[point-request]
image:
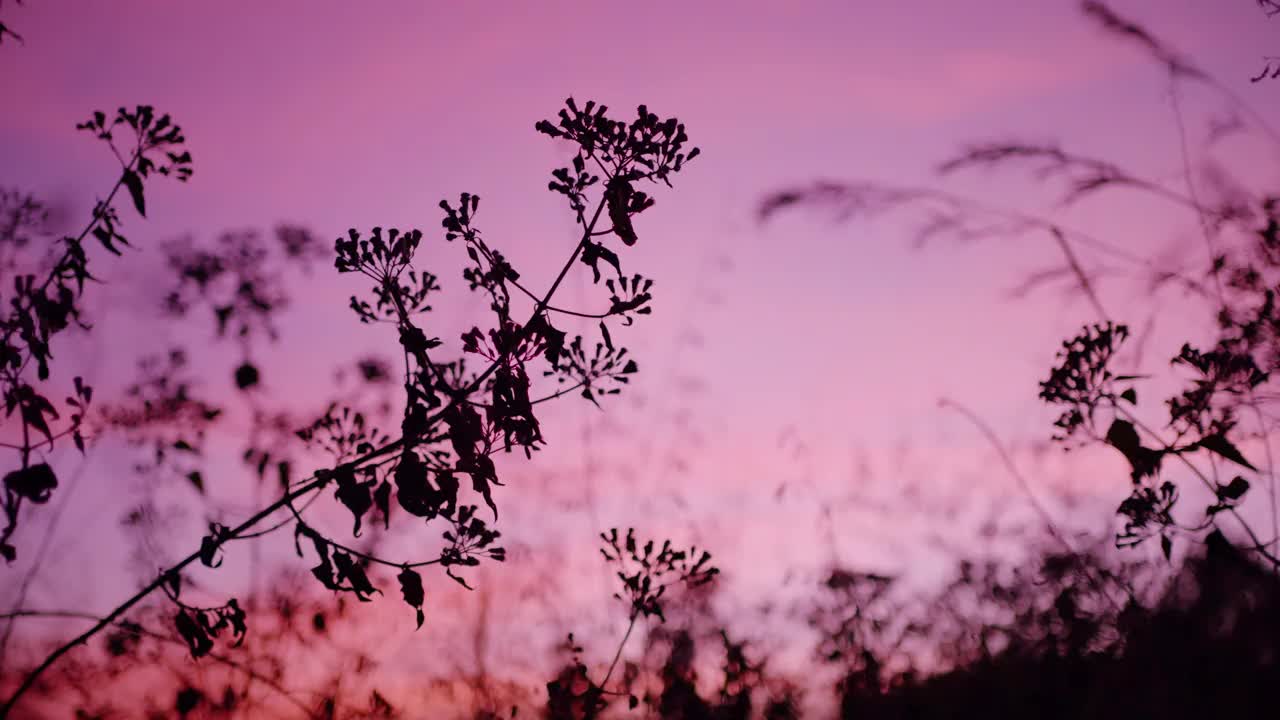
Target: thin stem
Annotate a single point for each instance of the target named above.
(1184, 153)
(542, 304)
(363, 555)
(1021, 479)
(559, 393)
(484, 250)
(635, 614)
(1007, 460)
(1085, 283)
(277, 526)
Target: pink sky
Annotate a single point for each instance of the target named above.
(341, 114)
(347, 116)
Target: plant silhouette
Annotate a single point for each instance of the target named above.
(1097, 400)
(1216, 421)
(1081, 627)
(456, 414)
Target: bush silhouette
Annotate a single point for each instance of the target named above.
(455, 416)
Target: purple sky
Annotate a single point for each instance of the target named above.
(340, 114)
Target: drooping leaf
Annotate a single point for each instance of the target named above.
(197, 639)
(411, 588)
(210, 544)
(355, 495)
(618, 197)
(108, 239)
(461, 581)
(34, 408)
(593, 252)
(1143, 460)
(35, 483)
(1233, 490)
(324, 571)
(382, 499)
(1220, 445)
(353, 572)
(234, 616)
(134, 184)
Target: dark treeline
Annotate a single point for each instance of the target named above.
(1064, 635)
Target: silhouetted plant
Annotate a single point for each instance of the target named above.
(1046, 639)
(160, 413)
(1002, 641)
(455, 417)
(1098, 400)
(238, 283)
(646, 571)
(263, 678)
(1199, 419)
(1087, 637)
(48, 295)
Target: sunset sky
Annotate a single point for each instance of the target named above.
(808, 352)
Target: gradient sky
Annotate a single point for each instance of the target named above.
(340, 114)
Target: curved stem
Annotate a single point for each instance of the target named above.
(618, 655)
(352, 551)
(1077, 269)
(1007, 459)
